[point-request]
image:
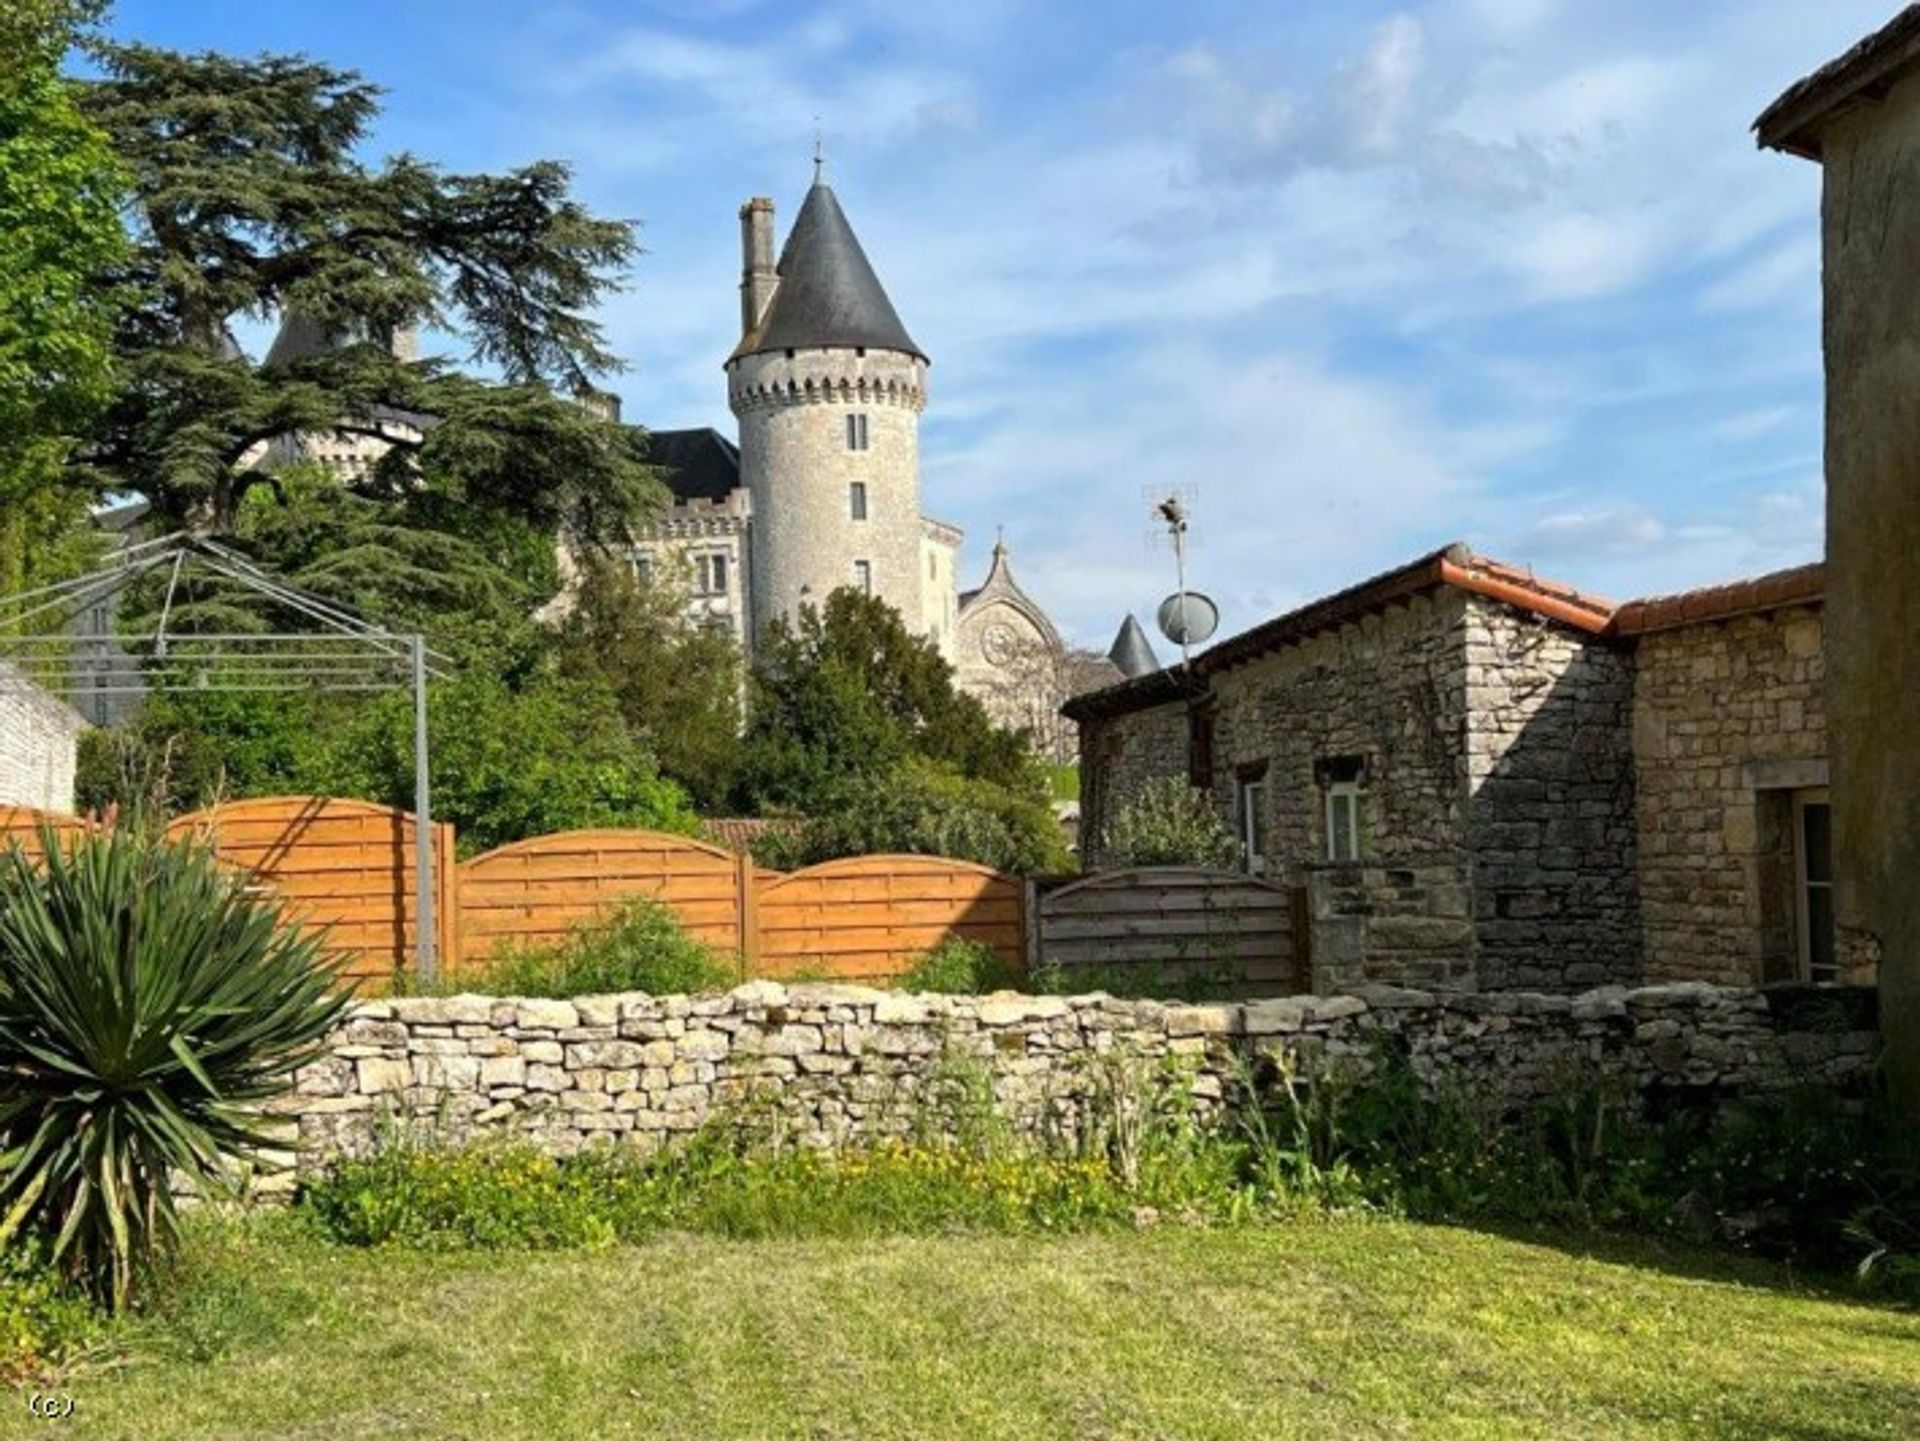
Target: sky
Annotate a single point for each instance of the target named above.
(1357, 279)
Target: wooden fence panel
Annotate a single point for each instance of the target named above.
(345, 866)
(865, 919)
(532, 892)
(1173, 924)
(23, 824)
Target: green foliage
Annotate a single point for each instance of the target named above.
(60, 193)
(1220, 980)
(1063, 780)
(45, 1320)
(918, 808)
(148, 1005)
(638, 945)
(506, 764)
(676, 683)
(271, 212)
(512, 764)
(1167, 822)
(849, 692)
(960, 967)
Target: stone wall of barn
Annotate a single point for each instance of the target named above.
(1550, 804)
(1728, 724)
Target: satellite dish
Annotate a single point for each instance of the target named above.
(1188, 617)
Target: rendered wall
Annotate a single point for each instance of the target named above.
(1870, 223)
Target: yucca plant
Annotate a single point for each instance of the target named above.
(148, 1005)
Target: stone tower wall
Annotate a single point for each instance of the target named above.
(794, 460)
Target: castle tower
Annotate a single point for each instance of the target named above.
(828, 388)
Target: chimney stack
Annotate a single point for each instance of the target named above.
(757, 277)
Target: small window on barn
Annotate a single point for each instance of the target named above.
(1344, 781)
(1250, 813)
(1200, 745)
(1813, 877)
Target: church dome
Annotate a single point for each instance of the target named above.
(828, 295)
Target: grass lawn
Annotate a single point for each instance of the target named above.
(1337, 1329)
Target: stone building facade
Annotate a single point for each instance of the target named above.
(1730, 746)
(1481, 779)
(39, 737)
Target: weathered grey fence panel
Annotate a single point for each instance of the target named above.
(1176, 926)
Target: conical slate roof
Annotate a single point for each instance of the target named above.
(828, 293)
(1131, 652)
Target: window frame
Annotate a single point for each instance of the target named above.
(863, 576)
(859, 437)
(857, 499)
(1803, 885)
(1252, 818)
(1353, 794)
(710, 571)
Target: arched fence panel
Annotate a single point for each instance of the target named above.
(343, 866)
(27, 824)
(534, 891)
(1175, 926)
(867, 918)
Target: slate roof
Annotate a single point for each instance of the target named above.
(697, 464)
(1132, 652)
(1866, 72)
(828, 294)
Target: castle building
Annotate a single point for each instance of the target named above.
(822, 489)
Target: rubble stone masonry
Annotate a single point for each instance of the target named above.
(843, 1063)
(1728, 724)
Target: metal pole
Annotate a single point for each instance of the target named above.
(1177, 516)
(422, 820)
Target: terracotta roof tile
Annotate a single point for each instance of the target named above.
(1803, 585)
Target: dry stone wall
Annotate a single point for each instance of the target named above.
(841, 1063)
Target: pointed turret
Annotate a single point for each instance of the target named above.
(1131, 651)
(825, 293)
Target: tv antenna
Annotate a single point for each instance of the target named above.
(1187, 618)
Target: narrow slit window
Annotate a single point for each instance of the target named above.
(857, 430)
(857, 500)
(1813, 871)
(863, 576)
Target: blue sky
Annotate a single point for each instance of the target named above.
(1365, 278)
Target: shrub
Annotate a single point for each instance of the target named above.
(1167, 822)
(923, 809)
(639, 945)
(148, 1004)
(959, 966)
(45, 1321)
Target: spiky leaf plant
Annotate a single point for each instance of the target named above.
(148, 1006)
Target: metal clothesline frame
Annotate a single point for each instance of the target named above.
(44, 651)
